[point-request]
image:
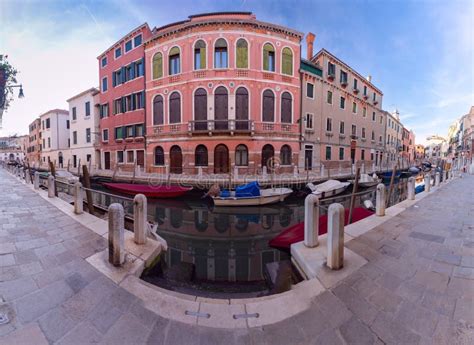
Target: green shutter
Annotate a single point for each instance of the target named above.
(157, 66)
(202, 52)
(242, 57)
(287, 63)
(267, 48)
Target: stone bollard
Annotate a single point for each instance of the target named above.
(116, 235)
(362, 170)
(51, 191)
(311, 221)
(411, 188)
(264, 171)
(437, 178)
(78, 198)
(236, 172)
(335, 259)
(380, 200)
(199, 172)
(36, 181)
(322, 169)
(140, 223)
(373, 167)
(295, 171)
(427, 183)
(167, 170)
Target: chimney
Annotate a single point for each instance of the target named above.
(369, 78)
(309, 45)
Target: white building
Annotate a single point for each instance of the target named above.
(436, 148)
(54, 136)
(84, 128)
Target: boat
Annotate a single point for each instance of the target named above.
(328, 188)
(158, 192)
(419, 188)
(251, 195)
(388, 174)
(366, 181)
(414, 170)
(295, 233)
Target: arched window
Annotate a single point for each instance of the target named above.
(200, 55)
(159, 156)
(268, 57)
(175, 108)
(174, 61)
(200, 110)
(268, 106)
(220, 53)
(286, 107)
(200, 156)
(242, 54)
(241, 155)
(157, 65)
(268, 154)
(242, 109)
(287, 61)
(158, 117)
(285, 155)
(221, 108)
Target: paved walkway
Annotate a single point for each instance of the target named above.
(418, 287)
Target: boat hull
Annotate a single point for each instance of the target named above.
(267, 197)
(328, 194)
(157, 192)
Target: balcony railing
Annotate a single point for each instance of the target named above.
(221, 126)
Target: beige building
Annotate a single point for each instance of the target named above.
(393, 139)
(342, 121)
(34, 143)
(54, 136)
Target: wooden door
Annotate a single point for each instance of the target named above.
(141, 158)
(267, 157)
(308, 158)
(242, 109)
(200, 110)
(106, 160)
(221, 111)
(176, 160)
(221, 159)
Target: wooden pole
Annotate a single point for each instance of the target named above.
(354, 191)
(392, 179)
(53, 172)
(79, 167)
(87, 185)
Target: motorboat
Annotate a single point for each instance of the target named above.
(295, 233)
(328, 188)
(158, 192)
(366, 180)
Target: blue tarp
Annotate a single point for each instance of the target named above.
(248, 190)
(225, 194)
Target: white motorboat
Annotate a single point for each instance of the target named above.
(328, 188)
(366, 180)
(266, 197)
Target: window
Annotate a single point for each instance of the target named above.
(119, 133)
(200, 109)
(67, 124)
(341, 127)
(137, 41)
(88, 135)
(200, 156)
(373, 116)
(381, 119)
(118, 52)
(200, 55)
(117, 106)
(343, 78)
(285, 155)
(74, 114)
(328, 153)
(242, 54)
(48, 123)
(286, 107)
(374, 97)
(362, 154)
(105, 135)
(174, 63)
(119, 156)
(241, 155)
(380, 139)
(268, 106)
(88, 108)
(309, 121)
(355, 84)
(44, 143)
(329, 97)
(104, 110)
(130, 156)
(159, 156)
(329, 124)
(354, 130)
(157, 66)
(341, 153)
(363, 132)
(128, 46)
(129, 131)
(242, 109)
(287, 61)
(88, 157)
(364, 112)
(365, 90)
(139, 130)
(331, 69)
(103, 62)
(220, 54)
(158, 113)
(139, 70)
(354, 107)
(268, 57)
(104, 84)
(309, 90)
(373, 136)
(342, 103)
(175, 108)
(74, 138)
(49, 143)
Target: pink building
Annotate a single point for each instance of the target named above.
(222, 90)
(122, 101)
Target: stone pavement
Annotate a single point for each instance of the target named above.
(417, 288)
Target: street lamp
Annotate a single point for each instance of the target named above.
(20, 93)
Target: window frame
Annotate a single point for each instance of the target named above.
(226, 53)
(263, 58)
(201, 67)
(328, 151)
(282, 61)
(237, 161)
(248, 55)
(119, 50)
(105, 130)
(342, 102)
(170, 65)
(307, 84)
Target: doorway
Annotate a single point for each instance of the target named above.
(221, 159)
(106, 160)
(176, 160)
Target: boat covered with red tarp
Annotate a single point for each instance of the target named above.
(164, 192)
(295, 233)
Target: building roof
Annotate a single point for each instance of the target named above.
(92, 90)
(124, 38)
(325, 52)
(61, 111)
(310, 67)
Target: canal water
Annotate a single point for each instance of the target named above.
(217, 251)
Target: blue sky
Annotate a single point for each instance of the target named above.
(419, 53)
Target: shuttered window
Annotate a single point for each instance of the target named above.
(286, 105)
(242, 109)
(285, 155)
(200, 156)
(221, 108)
(268, 57)
(268, 106)
(175, 108)
(287, 61)
(200, 109)
(242, 54)
(159, 156)
(157, 66)
(158, 117)
(200, 55)
(241, 155)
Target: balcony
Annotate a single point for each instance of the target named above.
(343, 83)
(331, 76)
(354, 137)
(220, 126)
(366, 97)
(355, 90)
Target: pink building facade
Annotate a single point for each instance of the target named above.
(222, 92)
(122, 102)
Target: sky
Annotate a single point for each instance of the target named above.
(419, 53)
